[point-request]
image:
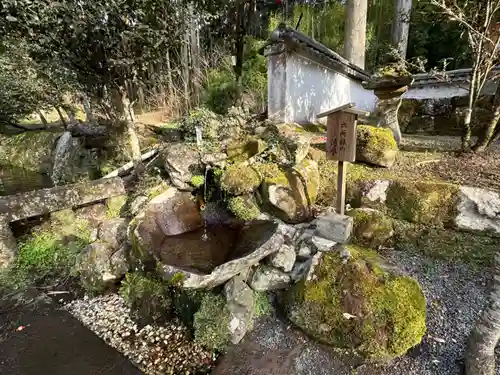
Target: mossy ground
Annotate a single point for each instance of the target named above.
(435, 242)
(388, 312)
(115, 205)
(211, 323)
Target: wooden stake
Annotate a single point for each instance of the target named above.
(341, 180)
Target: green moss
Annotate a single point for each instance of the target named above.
(327, 192)
(386, 312)
(239, 179)
(307, 173)
(149, 298)
(245, 150)
(435, 242)
(371, 228)
(244, 207)
(114, 206)
(262, 305)
(271, 174)
(375, 145)
(211, 323)
(422, 202)
(197, 181)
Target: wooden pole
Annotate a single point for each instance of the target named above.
(341, 182)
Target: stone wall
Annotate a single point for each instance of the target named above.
(439, 116)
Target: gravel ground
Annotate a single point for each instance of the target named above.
(455, 295)
(156, 350)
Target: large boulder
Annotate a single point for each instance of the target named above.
(239, 179)
(291, 194)
(182, 162)
(113, 232)
(478, 210)
(245, 149)
(100, 266)
(375, 146)
(359, 303)
(293, 142)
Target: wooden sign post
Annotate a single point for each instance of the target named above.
(341, 143)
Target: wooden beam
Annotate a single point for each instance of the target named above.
(40, 202)
(341, 108)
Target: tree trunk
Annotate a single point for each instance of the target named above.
(170, 82)
(195, 56)
(239, 45)
(89, 117)
(401, 26)
(480, 356)
(43, 119)
(61, 116)
(185, 70)
(126, 112)
(355, 32)
(487, 134)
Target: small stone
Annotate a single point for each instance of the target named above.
(322, 244)
(304, 251)
(267, 278)
(283, 259)
(334, 227)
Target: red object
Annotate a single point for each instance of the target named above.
(278, 2)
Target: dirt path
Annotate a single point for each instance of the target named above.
(45, 340)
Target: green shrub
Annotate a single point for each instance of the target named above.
(221, 90)
(197, 181)
(150, 299)
(186, 303)
(211, 323)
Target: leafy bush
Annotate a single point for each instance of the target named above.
(262, 305)
(149, 299)
(221, 90)
(203, 118)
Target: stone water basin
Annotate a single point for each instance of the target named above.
(207, 247)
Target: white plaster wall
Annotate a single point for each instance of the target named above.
(312, 88)
(309, 89)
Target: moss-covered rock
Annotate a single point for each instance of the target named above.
(372, 228)
(211, 323)
(292, 199)
(376, 146)
(271, 173)
(422, 202)
(359, 305)
(244, 207)
(239, 179)
(244, 150)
